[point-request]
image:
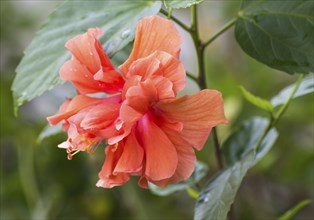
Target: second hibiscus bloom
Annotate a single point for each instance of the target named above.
(149, 132)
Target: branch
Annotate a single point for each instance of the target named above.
(221, 31)
(181, 24)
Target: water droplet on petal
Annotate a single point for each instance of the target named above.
(119, 124)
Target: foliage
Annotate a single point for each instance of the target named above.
(306, 87)
(278, 34)
(180, 3)
(242, 150)
(38, 70)
(257, 101)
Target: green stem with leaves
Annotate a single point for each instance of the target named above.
(276, 117)
(200, 51)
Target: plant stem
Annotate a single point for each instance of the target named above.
(285, 106)
(200, 51)
(192, 77)
(217, 149)
(198, 47)
(181, 24)
(274, 119)
(169, 12)
(221, 31)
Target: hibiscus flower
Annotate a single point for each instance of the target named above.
(157, 131)
(149, 131)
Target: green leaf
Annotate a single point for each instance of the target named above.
(218, 195)
(181, 3)
(257, 101)
(200, 171)
(49, 131)
(278, 33)
(244, 139)
(306, 87)
(290, 213)
(38, 70)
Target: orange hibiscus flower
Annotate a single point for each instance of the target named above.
(157, 132)
(150, 133)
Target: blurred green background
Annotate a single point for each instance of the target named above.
(38, 182)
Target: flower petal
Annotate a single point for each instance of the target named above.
(144, 67)
(85, 82)
(100, 116)
(140, 97)
(78, 103)
(83, 48)
(72, 107)
(186, 156)
(198, 113)
(90, 69)
(80, 76)
(172, 69)
(132, 157)
(160, 154)
(106, 177)
(153, 33)
(164, 87)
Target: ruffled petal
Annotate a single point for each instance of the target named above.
(164, 87)
(132, 81)
(153, 33)
(198, 113)
(80, 76)
(160, 154)
(85, 82)
(72, 107)
(172, 69)
(78, 103)
(90, 69)
(140, 97)
(83, 48)
(144, 67)
(106, 177)
(131, 160)
(162, 64)
(100, 116)
(186, 155)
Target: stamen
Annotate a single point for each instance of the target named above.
(70, 156)
(69, 150)
(75, 152)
